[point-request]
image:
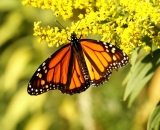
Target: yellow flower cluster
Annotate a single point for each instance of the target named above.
(50, 35)
(126, 23)
(62, 8)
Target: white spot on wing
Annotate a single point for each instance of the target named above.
(114, 48)
(105, 43)
(43, 63)
(29, 86)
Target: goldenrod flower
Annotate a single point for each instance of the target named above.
(126, 23)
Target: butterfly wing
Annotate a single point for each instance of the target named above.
(78, 83)
(73, 71)
(101, 58)
(62, 71)
(52, 73)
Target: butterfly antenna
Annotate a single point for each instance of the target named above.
(61, 26)
(78, 25)
(81, 30)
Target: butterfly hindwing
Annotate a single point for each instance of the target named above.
(78, 83)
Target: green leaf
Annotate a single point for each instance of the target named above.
(134, 56)
(154, 119)
(133, 61)
(141, 74)
(137, 89)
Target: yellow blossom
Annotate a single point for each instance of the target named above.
(126, 23)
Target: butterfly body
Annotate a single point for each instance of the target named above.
(77, 66)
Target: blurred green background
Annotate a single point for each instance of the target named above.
(99, 108)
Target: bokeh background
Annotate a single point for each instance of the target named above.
(100, 108)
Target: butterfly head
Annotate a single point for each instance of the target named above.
(74, 38)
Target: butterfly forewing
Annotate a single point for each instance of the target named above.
(101, 58)
(52, 73)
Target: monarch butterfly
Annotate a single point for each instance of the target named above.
(77, 66)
